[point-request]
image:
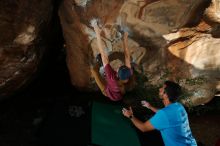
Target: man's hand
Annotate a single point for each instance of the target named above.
(149, 106)
(127, 113)
(94, 24)
(145, 104)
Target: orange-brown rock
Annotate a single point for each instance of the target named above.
(157, 17)
(168, 39)
(199, 71)
(212, 13)
(21, 47)
(159, 40)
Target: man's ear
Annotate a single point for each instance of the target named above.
(165, 96)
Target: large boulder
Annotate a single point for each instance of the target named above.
(22, 24)
(197, 64)
(160, 43)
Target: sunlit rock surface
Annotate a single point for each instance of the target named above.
(172, 39)
(213, 11)
(21, 28)
(145, 25)
(168, 39)
(198, 48)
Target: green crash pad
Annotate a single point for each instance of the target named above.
(110, 127)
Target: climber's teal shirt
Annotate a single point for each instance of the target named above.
(172, 122)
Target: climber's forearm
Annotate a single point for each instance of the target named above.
(104, 56)
(126, 51)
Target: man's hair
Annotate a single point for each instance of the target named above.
(124, 72)
(173, 90)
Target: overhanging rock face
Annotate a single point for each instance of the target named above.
(21, 43)
(145, 23)
(172, 39)
(160, 43)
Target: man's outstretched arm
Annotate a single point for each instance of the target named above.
(143, 126)
(126, 50)
(149, 106)
(104, 56)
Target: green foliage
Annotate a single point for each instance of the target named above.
(201, 109)
(196, 81)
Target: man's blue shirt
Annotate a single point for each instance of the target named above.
(172, 122)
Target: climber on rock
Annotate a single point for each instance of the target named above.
(113, 84)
